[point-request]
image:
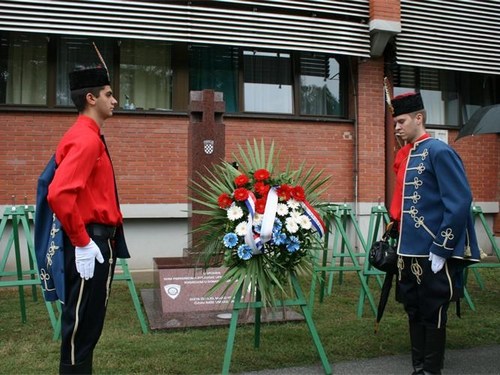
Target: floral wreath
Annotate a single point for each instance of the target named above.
(262, 225)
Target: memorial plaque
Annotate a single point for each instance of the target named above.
(180, 298)
(185, 290)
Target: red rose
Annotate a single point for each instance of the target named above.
(241, 194)
(261, 188)
(298, 193)
(224, 200)
(284, 192)
(261, 174)
(241, 180)
(260, 205)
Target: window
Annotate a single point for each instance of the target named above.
(319, 85)
(215, 68)
(478, 90)
(23, 69)
(75, 53)
(145, 75)
(154, 75)
(267, 82)
(450, 98)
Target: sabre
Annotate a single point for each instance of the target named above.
(388, 95)
(100, 58)
(389, 104)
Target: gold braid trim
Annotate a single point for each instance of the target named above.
(401, 266)
(416, 269)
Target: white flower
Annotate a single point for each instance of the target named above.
(282, 209)
(304, 222)
(295, 215)
(291, 225)
(293, 204)
(241, 229)
(234, 213)
(257, 219)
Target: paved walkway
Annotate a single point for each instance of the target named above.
(483, 360)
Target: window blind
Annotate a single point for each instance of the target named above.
(329, 26)
(459, 35)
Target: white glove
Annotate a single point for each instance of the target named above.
(437, 262)
(85, 258)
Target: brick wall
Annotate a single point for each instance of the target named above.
(385, 10)
(150, 151)
(481, 156)
(150, 156)
(328, 146)
(371, 113)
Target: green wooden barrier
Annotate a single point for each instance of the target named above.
(17, 217)
(379, 217)
(478, 215)
(122, 273)
(22, 216)
(339, 218)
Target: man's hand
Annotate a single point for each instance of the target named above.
(85, 258)
(437, 262)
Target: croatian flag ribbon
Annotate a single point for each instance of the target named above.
(250, 238)
(256, 241)
(266, 231)
(313, 215)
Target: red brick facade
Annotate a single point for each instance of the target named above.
(150, 151)
(389, 10)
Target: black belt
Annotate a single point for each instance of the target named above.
(101, 231)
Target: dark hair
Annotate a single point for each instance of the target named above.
(79, 96)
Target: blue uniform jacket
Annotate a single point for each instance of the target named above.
(436, 213)
(49, 242)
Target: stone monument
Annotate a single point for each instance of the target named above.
(206, 147)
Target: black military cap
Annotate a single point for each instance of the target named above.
(407, 103)
(84, 78)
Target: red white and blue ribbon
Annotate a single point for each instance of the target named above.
(251, 239)
(266, 230)
(256, 241)
(313, 215)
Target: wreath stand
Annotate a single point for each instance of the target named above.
(257, 305)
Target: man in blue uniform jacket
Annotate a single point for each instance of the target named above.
(432, 205)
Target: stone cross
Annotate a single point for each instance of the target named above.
(206, 146)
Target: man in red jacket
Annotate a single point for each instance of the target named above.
(83, 197)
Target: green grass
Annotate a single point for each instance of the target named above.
(28, 348)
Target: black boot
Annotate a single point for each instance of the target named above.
(82, 368)
(417, 338)
(435, 341)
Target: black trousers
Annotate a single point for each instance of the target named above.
(84, 310)
(426, 295)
